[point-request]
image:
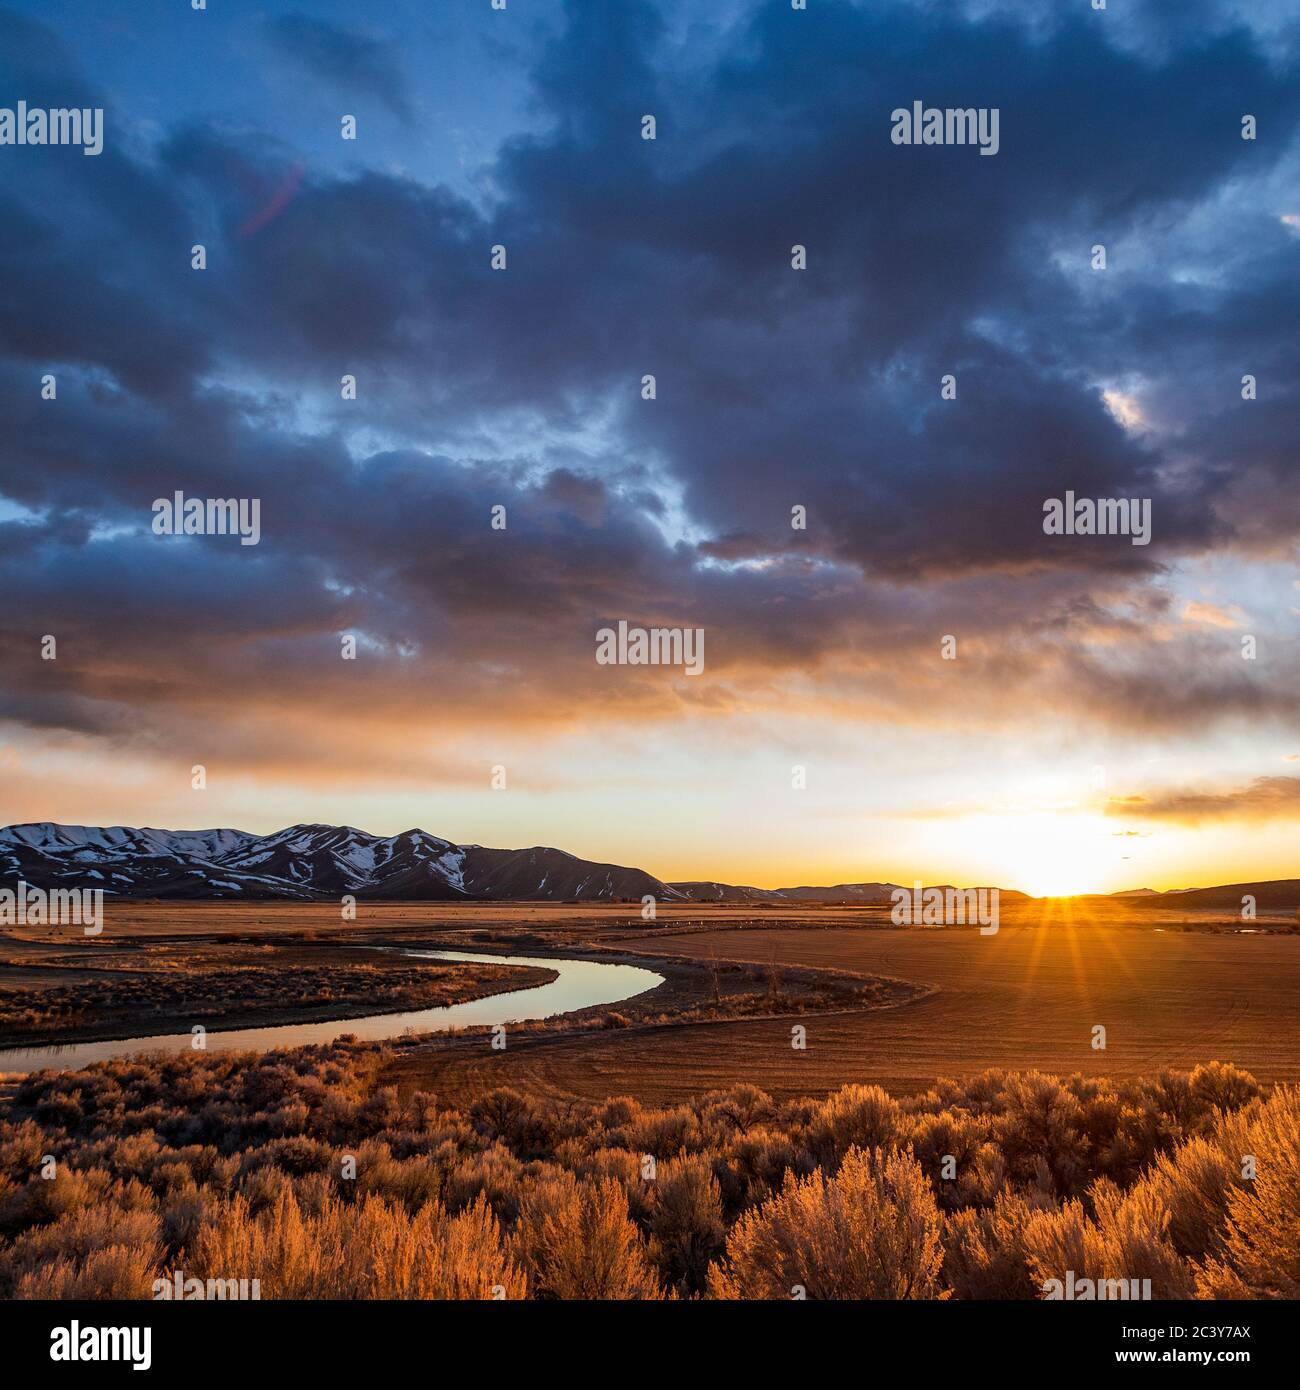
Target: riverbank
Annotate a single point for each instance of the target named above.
(119, 992)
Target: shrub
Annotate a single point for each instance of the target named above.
(1194, 1184)
(576, 1241)
(742, 1106)
(116, 1271)
(757, 1164)
(665, 1133)
(984, 1250)
(101, 1251)
(1262, 1244)
(871, 1231)
(686, 1224)
(370, 1249)
(494, 1174)
(1127, 1241)
(1042, 1123)
(978, 1169)
(1221, 1086)
(864, 1117)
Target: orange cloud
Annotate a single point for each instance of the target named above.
(1266, 798)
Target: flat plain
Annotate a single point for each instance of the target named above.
(1028, 997)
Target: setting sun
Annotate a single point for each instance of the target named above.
(1043, 853)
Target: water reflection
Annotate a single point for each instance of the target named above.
(580, 984)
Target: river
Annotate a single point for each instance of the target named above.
(580, 984)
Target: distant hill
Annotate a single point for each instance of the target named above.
(708, 891)
(1270, 893)
(862, 893)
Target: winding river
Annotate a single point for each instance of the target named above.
(580, 984)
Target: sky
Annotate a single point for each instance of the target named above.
(918, 683)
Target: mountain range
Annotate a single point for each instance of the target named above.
(310, 862)
(315, 862)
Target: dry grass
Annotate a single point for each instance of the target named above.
(302, 1170)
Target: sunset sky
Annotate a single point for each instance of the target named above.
(1099, 728)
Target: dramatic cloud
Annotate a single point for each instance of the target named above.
(775, 389)
(1265, 798)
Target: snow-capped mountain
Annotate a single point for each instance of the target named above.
(304, 861)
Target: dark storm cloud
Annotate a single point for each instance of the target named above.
(352, 64)
(775, 388)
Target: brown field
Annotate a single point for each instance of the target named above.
(1028, 997)
(175, 919)
(170, 919)
(1183, 994)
